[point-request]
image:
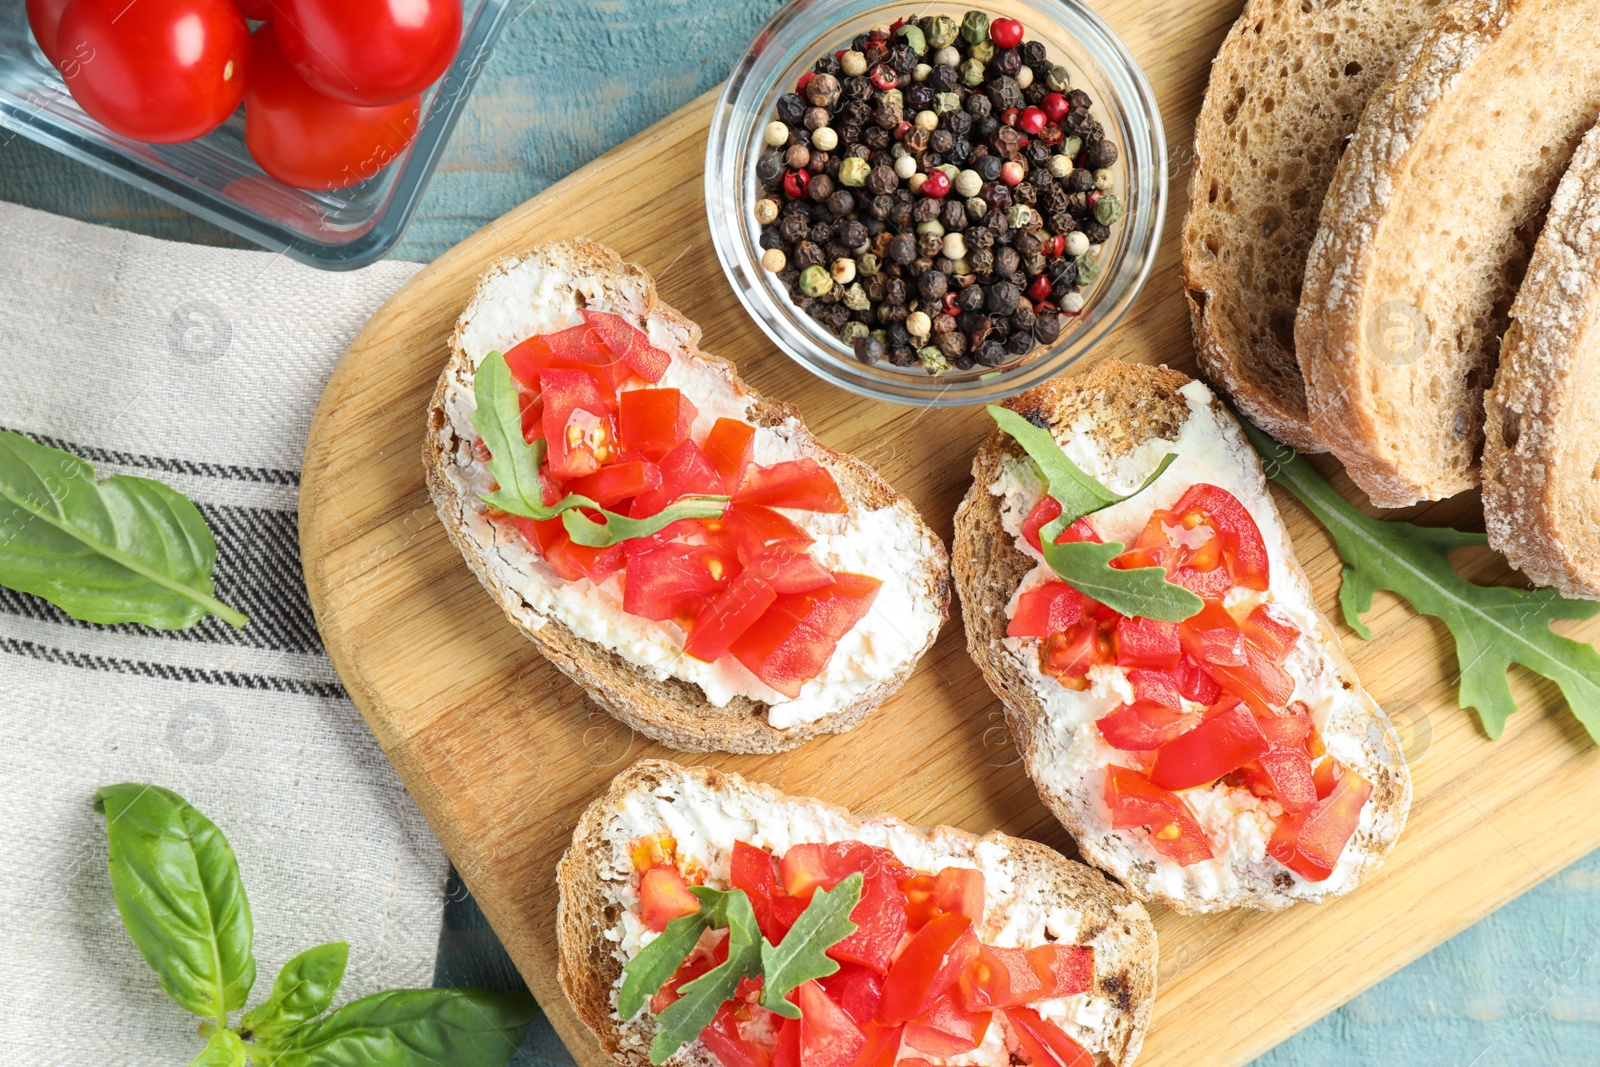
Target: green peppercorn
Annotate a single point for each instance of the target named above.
(913, 36)
(945, 103)
(868, 264)
(933, 359)
(977, 207)
(1059, 80)
(940, 30)
(933, 226)
(983, 51)
(971, 73)
(1108, 209)
(853, 171)
(1088, 269)
(816, 281)
(974, 27)
(853, 331)
(1018, 216)
(855, 298)
(1071, 147)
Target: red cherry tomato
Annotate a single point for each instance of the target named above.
(306, 139)
(369, 52)
(44, 19)
(162, 71)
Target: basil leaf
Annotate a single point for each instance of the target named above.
(410, 1028)
(699, 1000)
(802, 955)
(514, 465)
(178, 889)
(123, 550)
(650, 968)
(1086, 565)
(223, 1050)
(303, 991)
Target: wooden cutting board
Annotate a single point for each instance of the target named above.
(502, 753)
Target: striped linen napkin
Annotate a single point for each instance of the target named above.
(200, 367)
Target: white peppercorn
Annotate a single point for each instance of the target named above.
(1060, 166)
(977, 207)
(967, 183)
(1077, 243)
(776, 134)
(843, 270)
(920, 72)
(918, 324)
(853, 63)
(1105, 180)
(955, 246)
(926, 119)
(774, 260)
(914, 183)
(946, 57)
(1024, 77)
(905, 167)
(824, 138)
(1072, 303)
(960, 266)
(766, 211)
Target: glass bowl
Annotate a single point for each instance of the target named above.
(790, 44)
(214, 176)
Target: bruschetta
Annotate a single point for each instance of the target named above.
(682, 548)
(1222, 754)
(706, 920)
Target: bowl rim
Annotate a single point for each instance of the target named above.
(803, 27)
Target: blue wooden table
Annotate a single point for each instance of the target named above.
(570, 80)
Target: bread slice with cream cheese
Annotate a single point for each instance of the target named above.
(634, 667)
(1117, 422)
(1032, 895)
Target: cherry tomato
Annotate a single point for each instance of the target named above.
(369, 52)
(308, 140)
(44, 19)
(163, 71)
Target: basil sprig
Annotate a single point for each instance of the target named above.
(800, 957)
(181, 899)
(1086, 565)
(123, 550)
(514, 465)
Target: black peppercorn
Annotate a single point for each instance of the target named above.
(1099, 153)
(853, 91)
(990, 354)
(794, 228)
(769, 168)
(880, 205)
(894, 291)
(852, 233)
(1080, 181)
(944, 322)
(1041, 179)
(903, 59)
(820, 189)
(970, 300)
(841, 201)
(932, 285)
(869, 349)
(1028, 243)
(1025, 193)
(977, 328)
(900, 214)
(952, 346)
(1097, 232)
(953, 215)
(925, 209)
(876, 137)
(915, 139)
(1079, 100)
(919, 97)
(902, 357)
(985, 128)
(997, 195)
(1006, 64)
(999, 327)
(977, 105)
(889, 313)
(898, 335)
(1019, 343)
(820, 233)
(928, 245)
(1003, 92)
(1047, 327)
(941, 140)
(857, 112)
(808, 254)
(823, 90)
(1002, 298)
(791, 109)
(981, 260)
(928, 161)
(1037, 153)
(771, 238)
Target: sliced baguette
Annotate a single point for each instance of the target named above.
(1426, 233)
(1125, 418)
(1541, 482)
(707, 810)
(543, 290)
(1286, 89)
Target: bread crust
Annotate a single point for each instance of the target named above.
(1131, 404)
(1401, 252)
(669, 710)
(1278, 107)
(588, 969)
(1541, 500)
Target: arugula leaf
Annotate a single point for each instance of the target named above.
(649, 970)
(178, 889)
(123, 550)
(303, 991)
(1493, 626)
(699, 1000)
(1084, 565)
(409, 1028)
(802, 954)
(223, 1050)
(514, 465)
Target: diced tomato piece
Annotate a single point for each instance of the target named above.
(1211, 636)
(1242, 545)
(1047, 510)
(1051, 608)
(697, 964)
(1310, 844)
(1064, 970)
(663, 896)
(1142, 642)
(802, 484)
(568, 560)
(526, 359)
(1221, 744)
(581, 348)
(1207, 585)
(880, 919)
(1069, 656)
(578, 429)
(673, 581)
(1325, 777)
(1214, 640)
(1134, 801)
(728, 615)
(920, 907)
(1140, 727)
(883, 1046)
(750, 529)
(1194, 683)
(927, 967)
(879, 915)
(805, 868)
(653, 422)
(1155, 687)
(1262, 684)
(959, 891)
(722, 1037)
(786, 1052)
(789, 570)
(685, 471)
(1044, 1043)
(1272, 635)
(611, 485)
(828, 1037)
(1285, 768)
(730, 446)
(792, 642)
(629, 344)
(999, 978)
(751, 870)
(945, 1029)
(856, 989)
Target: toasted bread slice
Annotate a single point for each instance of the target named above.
(1117, 422)
(1541, 484)
(1032, 895)
(1286, 90)
(1426, 232)
(633, 667)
